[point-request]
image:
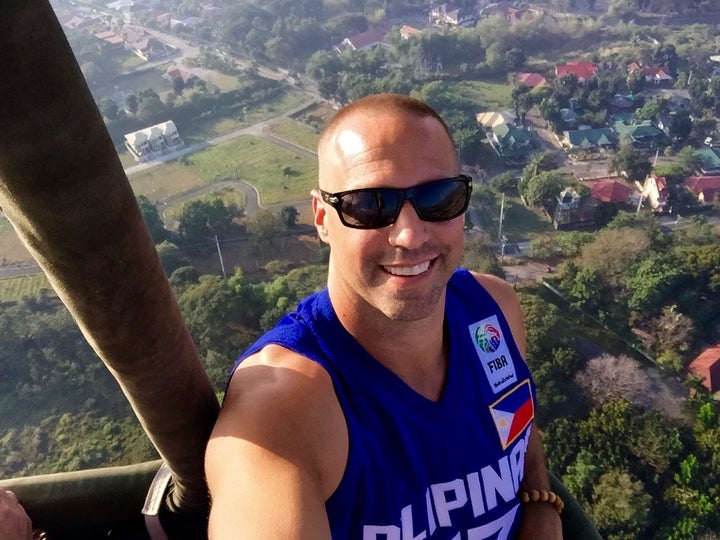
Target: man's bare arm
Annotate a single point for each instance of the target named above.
(277, 452)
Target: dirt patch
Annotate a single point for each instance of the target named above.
(12, 250)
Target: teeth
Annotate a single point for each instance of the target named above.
(408, 270)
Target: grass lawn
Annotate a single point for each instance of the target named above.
(297, 132)
(490, 96)
(165, 180)
(279, 175)
(522, 223)
(15, 289)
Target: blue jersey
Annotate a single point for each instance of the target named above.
(419, 469)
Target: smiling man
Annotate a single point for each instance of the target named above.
(395, 404)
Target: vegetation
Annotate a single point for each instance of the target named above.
(641, 458)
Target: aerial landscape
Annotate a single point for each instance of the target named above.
(590, 129)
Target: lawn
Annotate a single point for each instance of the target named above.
(490, 96)
(165, 180)
(15, 289)
(297, 132)
(279, 175)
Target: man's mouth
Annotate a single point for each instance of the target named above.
(408, 270)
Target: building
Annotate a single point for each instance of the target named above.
(582, 70)
(590, 140)
(364, 40)
(655, 192)
(705, 188)
(153, 141)
(406, 32)
(451, 15)
(707, 367)
(532, 80)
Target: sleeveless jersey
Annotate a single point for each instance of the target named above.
(419, 469)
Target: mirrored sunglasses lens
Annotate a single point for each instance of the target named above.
(441, 201)
(369, 209)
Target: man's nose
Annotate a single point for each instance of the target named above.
(408, 231)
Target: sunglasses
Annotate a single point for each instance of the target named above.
(375, 208)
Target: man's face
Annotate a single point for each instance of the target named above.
(400, 270)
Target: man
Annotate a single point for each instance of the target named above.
(395, 404)
(14, 522)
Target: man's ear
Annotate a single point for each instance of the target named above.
(320, 215)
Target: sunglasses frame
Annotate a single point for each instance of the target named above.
(406, 194)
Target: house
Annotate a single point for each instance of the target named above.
(176, 72)
(709, 160)
(506, 10)
(655, 75)
(571, 209)
(451, 15)
(707, 366)
(158, 139)
(584, 71)
(365, 40)
(612, 190)
(641, 135)
(110, 39)
(621, 101)
(152, 49)
(532, 80)
(489, 120)
(406, 32)
(705, 188)
(589, 139)
(655, 191)
(569, 117)
(510, 142)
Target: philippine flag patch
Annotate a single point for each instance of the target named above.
(513, 412)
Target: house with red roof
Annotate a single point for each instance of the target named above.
(582, 70)
(406, 32)
(612, 190)
(451, 15)
(707, 366)
(364, 40)
(176, 72)
(705, 188)
(652, 74)
(532, 80)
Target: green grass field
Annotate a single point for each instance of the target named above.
(279, 175)
(297, 132)
(490, 96)
(15, 289)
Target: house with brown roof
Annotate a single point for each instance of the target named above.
(364, 40)
(584, 71)
(707, 366)
(177, 72)
(705, 188)
(532, 80)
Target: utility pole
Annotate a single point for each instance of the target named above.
(501, 237)
(222, 264)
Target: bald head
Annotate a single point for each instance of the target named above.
(370, 112)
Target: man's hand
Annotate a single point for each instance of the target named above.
(14, 521)
(539, 521)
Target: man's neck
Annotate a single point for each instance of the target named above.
(415, 351)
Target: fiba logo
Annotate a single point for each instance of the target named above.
(487, 338)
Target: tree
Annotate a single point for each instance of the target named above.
(289, 216)
(614, 251)
(514, 60)
(178, 85)
(631, 162)
(543, 189)
(201, 220)
(149, 103)
(131, 103)
(606, 378)
(151, 216)
(620, 506)
(108, 108)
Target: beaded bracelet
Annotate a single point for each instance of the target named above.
(542, 496)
